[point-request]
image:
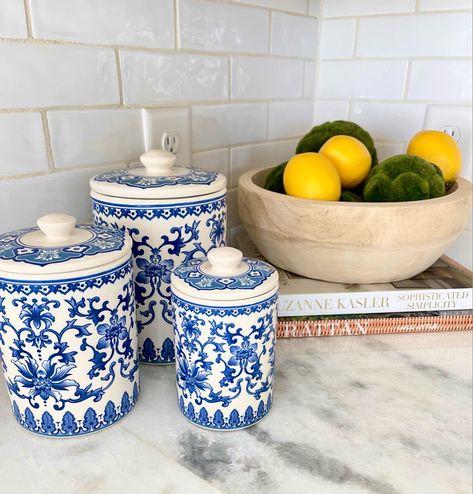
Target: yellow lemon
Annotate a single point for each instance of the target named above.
(350, 157)
(438, 148)
(312, 176)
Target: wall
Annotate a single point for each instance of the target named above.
(86, 85)
(396, 67)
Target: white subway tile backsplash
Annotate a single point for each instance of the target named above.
(389, 121)
(157, 121)
(233, 218)
(293, 35)
(440, 80)
(140, 22)
(445, 4)
(422, 35)
(46, 75)
(462, 249)
(22, 144)
(289, 119)
(309, 79)
(266, 78)
(226, 125)
(208, 25)
(299, 6)
(217, 159)
(387, 149)
(456, 116)
(13, 19)
(339, 8)
(152, 78)
(337, 38)
(367, 79)
(95, 136)
(245, 158)
(326, 111)
(314, 7)
(65, 192)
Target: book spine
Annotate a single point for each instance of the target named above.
(352, 327)
(326, 304)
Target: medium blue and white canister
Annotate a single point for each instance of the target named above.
(225, 320)
(68, 336)
(173, 214)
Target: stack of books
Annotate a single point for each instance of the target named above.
(439, 299)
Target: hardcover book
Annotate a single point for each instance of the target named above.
(439, 299)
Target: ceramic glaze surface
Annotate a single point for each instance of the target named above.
(69, 349)
(103, 240)
(164, 235)
(193, 176)
(225, 361)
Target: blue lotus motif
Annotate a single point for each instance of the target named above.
(154, 269)
(243, 354)
(193, 379)
(46, 382)
(37, 315)
(112, 332)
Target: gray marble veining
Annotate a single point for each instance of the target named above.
(382, 415)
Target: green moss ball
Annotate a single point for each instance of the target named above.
(403, 178)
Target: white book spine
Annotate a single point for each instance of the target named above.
(326, 304)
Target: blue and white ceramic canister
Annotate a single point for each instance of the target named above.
(68, 336)
(224, 322)
(173, 214)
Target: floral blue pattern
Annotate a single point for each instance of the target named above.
(194, 176)
(257, 273)
(101, 241)
(156, 257)
(45, 360)
(220, 360)
(70, 425)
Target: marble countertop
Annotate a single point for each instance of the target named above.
(365, 414)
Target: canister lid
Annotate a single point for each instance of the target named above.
(58, 245)
(224, 275)
(158, 178)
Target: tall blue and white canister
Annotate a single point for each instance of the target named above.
(68, 336)
(224, 321)
(173, 214)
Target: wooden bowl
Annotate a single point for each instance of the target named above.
(348, 242)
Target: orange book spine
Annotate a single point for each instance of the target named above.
(354, 327)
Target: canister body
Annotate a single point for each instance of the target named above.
(165, 233)
(69, 349)
(225, 357)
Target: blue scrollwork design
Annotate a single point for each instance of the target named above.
(155, 260)
(103, 240)
(194, 176)
(257, 273)
(216, 348)
(44, 370)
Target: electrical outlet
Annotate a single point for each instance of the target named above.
(452, 131)
(170, 142)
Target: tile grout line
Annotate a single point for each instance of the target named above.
(47, 138)
(29, 23)
(118, 64)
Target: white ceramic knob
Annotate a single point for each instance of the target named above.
(56, 226)
(158, 162)
(225, 261)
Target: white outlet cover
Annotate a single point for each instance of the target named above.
(440, 116)
(157, 121)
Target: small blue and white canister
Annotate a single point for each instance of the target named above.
(68, 336)
(225, 316)
(173, 213)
